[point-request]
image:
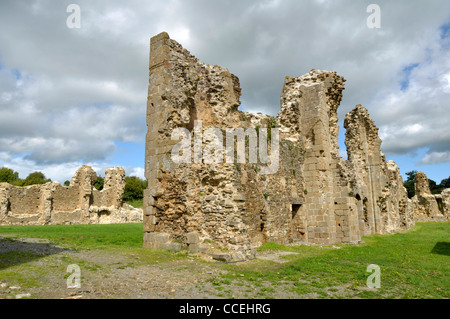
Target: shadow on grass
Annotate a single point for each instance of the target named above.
(18, 251)
(441, 248)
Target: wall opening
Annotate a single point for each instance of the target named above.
(104, 215)
(295, 209)
(439, 202)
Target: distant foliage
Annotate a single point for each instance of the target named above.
(445, 183)
(67, 183)
(7, 175)
(35, 178)
(99, 183)
(409, 184)
(434, 188)
(134, 188)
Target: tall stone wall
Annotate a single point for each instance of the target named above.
(377, 185)
(307, 194)
(78, 203)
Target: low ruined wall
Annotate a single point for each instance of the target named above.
(79, 203)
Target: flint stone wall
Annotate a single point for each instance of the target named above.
(429, 207)
(78, 203)
(315, 196)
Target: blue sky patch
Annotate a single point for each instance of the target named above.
(406, 75)
(130, 154)
(445, 31)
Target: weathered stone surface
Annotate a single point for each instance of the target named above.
(429, 207)
(444, 198)
(383, 205)
(78, 203)
(191, 238)
(221, 257)
(315, 196)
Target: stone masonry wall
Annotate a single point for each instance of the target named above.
(312, 196)
(377, 185)
(78, 203)
(429, 207)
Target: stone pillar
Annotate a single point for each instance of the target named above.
(4, 202)
(445, 202)
(426, 205)
(157, 104)
(46, 203)
(114, 186)
(84, 179)
(316, 96)
(364, 154)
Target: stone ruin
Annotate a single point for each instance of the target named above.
(429, 207)
(315, 196)
(78, 203)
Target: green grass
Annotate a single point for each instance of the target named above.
(136, 203)
(29, 269)
(414, 264)
(124, 236)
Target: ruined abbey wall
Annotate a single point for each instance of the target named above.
(78, 203)
(306, 194)
(429, 207)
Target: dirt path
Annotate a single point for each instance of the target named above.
(41, 269)
(35, 268)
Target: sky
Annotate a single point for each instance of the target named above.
(74, 96)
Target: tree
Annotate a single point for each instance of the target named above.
(99, 183)
(434, 187)
(409, 184)
(35, 178)
(66, 183)
(7, 175)
(445, 183)
(134, 188)
(411, 176)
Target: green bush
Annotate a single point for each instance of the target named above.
(134, 188)
(99, 183)
(35, 178)
(7, 175)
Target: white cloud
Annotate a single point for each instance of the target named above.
(67, 95)
(435, 158)
(135, 171)
(417, 117)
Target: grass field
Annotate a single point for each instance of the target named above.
(137, 203)
(126, 236)
(414, 264)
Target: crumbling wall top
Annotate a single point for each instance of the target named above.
(422, 185)
(85, 176)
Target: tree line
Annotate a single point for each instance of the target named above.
(434, 187)
(134, 186)
(8, 175)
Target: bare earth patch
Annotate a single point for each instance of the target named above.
(106, 274)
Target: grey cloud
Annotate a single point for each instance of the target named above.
(86, 88)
